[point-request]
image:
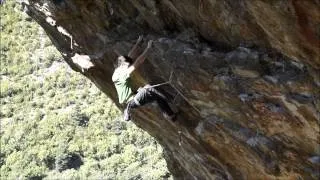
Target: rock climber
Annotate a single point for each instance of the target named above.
(147, 94)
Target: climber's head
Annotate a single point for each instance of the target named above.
(124, 61)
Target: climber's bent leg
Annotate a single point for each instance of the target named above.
(142, 97)
(127, 112)
(139, 99)
(155, 95)
(162, 102)
(147, 95)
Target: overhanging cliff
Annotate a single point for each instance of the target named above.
(245, 77)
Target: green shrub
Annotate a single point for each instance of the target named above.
(56, 124)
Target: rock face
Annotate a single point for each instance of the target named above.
(245, 77)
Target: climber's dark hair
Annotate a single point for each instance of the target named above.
(127, 60)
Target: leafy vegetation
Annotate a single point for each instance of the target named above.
(55, 124)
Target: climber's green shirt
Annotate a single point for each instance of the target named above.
(121, 80)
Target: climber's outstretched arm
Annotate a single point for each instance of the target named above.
(140, 59)
(133, 53)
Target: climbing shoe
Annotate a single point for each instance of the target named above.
(126, 115)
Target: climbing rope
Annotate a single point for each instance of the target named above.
(161, 84)
(176, 89)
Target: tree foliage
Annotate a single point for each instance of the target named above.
(55, 124)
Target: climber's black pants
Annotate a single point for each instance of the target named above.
(147, 95)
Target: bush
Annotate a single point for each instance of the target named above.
(56, 124)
